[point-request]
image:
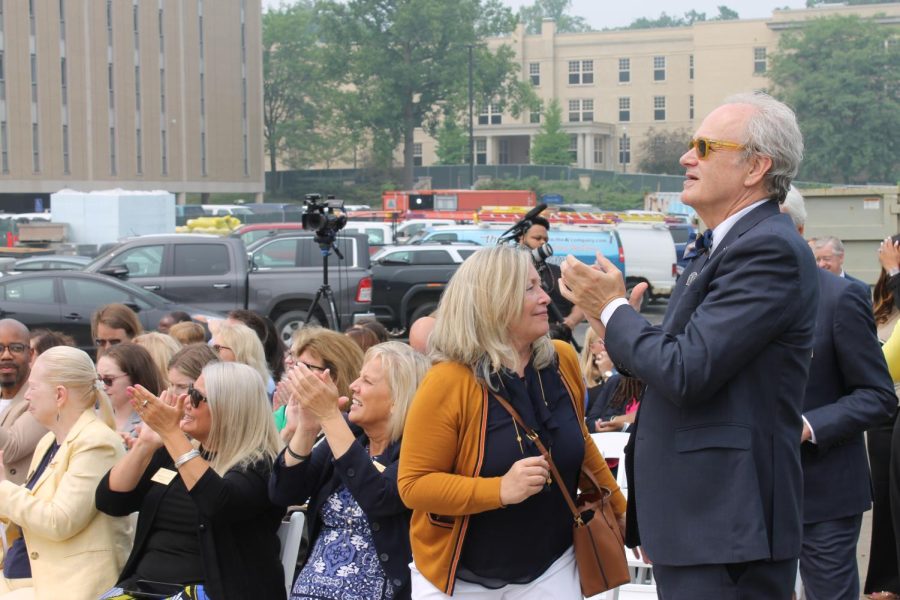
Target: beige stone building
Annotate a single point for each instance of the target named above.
(615, 85)
(133, 94)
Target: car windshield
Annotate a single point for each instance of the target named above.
(101, 257)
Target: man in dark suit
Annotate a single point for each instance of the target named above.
(829, 253)
(715, 483)
(849, 391)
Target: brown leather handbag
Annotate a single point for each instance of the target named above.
(598, 543)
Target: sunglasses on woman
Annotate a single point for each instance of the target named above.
(704, 146)
(195, 395)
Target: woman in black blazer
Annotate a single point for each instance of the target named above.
(205, 524)
(358, 526)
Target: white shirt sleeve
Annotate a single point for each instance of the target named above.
(610, 308)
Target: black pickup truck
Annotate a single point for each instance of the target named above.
(277, 277)
(407, 281)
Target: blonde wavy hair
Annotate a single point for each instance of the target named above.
(74, 370)
(245, 344)
(484, 297)
(588, 366)
(403, 369)
(242, 430)
(162, 348)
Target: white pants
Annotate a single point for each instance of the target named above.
(559, 582)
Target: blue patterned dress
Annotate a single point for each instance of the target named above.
(343, 563)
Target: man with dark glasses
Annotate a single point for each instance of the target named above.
(715, 483)
(19, 431)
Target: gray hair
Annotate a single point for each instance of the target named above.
(795, 207)
(837, 246)
(773, 131)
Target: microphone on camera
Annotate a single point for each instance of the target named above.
(522, 224)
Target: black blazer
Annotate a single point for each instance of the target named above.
(376, 493)
(849, 391)
(714, 462)
(238, 528)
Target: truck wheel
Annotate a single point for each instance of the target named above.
(422, 311)
(291, 321)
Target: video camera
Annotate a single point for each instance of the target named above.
(319, 217)
(538, 255)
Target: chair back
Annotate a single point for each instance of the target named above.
(290, 533)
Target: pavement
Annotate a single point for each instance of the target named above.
(654, 313)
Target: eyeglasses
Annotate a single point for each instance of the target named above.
(217, 348)
(101, 342)
(13, 348)
(704, 146)
(311, 367)
(195, 395)
(108, 380)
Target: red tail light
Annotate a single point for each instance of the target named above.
(364, 290)
(621, 255)
(674, 269)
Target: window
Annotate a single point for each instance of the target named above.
(624, 70)
(534, 116)
(397, 257)
(65, 140)
(624, 109)
(581, 72)
(581, 110)
(598, 149)
(432, 257)
(624, 150)
(32, 291)
(534, 71)
(112, 151)
(659, 68)
(573, 148)
(145, 261)
(691, 107)
(759, 61)
(503, 151)
(417, 154)
(659, 108)
(84, 292)
(35, 148)
(201, 259)
(480, 151)
(490, 115)
(691, 67)
(34, 81)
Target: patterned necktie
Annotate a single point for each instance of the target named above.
(702, 245)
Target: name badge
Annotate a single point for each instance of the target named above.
(379, 466)
(164, 476)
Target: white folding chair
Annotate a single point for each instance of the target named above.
(612, 446)
(290, 532)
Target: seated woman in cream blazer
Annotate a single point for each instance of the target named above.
(69, 549)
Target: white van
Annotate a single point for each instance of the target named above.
(407, 229)
(379, 233)
(649, 256)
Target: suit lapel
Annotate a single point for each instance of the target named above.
(48, 440)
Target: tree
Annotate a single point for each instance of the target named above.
(404, 64)
(840, 74)
(689, 18)
(661, 151)
(550, 145)
(452, 142)
(533, 15)
(811, 3)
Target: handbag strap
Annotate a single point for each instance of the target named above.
(536, 440)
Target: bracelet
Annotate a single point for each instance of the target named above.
(189, 455)
(294, 455)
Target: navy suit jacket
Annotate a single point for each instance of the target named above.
(714, 461)
(849, 391)
(862, 285)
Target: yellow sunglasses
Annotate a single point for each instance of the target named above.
(704, 146)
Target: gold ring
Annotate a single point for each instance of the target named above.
(145, 403)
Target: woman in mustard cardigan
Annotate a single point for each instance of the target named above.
(487, 516)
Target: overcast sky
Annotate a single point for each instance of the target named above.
(617, 13)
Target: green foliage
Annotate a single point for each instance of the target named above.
(403, 64)
(452, 143)
(840, 74)
(533, 14)
(660, 151)
(605, 195)
(550, 145)
(812, 3)
(689, 18)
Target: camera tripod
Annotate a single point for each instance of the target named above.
(327, 245)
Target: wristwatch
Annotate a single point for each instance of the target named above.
(607, 375)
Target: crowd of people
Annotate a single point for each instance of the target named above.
(164, 466)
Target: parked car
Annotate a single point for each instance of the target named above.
(51, 262)
(407, 281)
(379, 233)
(65, 300)
(279, 277)
(409, 228)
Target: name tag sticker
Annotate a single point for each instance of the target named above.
(164, 476)
(379, 466)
